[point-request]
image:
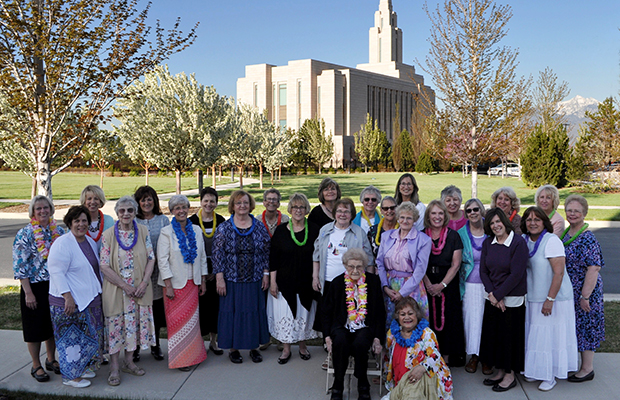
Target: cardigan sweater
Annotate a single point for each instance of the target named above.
(503, 269)
(170, 259)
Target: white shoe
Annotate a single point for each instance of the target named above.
(529, 379)
(82, 383)
(546, 386)
(88, 374)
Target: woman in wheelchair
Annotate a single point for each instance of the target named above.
(353, 321)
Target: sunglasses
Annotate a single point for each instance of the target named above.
(367, 199)
(471, 210)
(391, 208)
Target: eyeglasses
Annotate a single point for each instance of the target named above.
(271, 200)
(472, 210)
(126, 210)
(42, 208)
(367, 199)
(391, 208)
(242, 203)
(298, 208)
(343, 212)
(356, 267)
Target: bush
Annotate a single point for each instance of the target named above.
(188, 174)
(311, 171)
(545, 156)
(161, 173)
(134, 171)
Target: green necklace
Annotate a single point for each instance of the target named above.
(569, 241)
(552, 214)
(298, 243)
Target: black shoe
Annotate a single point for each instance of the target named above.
(576, 379)
(217, 352)
(255, 356)
(52, 366)
(283, 361)
(498, 388)
(306, 356)
(105, 360)
(136, 355)
(337, 394)
(363, 393)
(235, 357)
(157, 353)
(40, 378)
(492, 382)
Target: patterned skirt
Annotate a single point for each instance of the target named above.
(419, 295)
(185, 344)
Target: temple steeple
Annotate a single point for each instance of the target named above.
(385, 38)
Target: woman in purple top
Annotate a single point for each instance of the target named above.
(503, 266)
(402, 260)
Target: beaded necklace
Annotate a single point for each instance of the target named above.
(471, 238)
(537, 242)
(39, 238)
(442, 310)
(186, 240)
(378, 236)
(297, 242)
(135, 236)
(416, 334)
(267, 225)
(436, 250)
(204, 231)
(100, 228)
(356, 315)
(249, 230)
(569, 241)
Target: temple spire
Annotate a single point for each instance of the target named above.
(385, 38)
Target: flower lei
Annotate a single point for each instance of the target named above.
(356, 315)
(297, 242)
(39, 238)
(442, 310)
(366, 217)
(100, 228)
(187, 241)
(569, 241)
(514, 212)
(251, 229)
(471, 238)
(267, 225)
(118, 239)
(436, 250)
(204, 231)
(416, 334)
(537, 242)
(379, 228)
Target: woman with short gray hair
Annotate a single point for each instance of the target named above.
(506, 199)
(452, 198)
(368, 215)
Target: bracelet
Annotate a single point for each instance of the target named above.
(585, 298)
(552, 299)
(266, 273)
(444, 284)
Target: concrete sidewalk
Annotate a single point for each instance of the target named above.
(217, 378)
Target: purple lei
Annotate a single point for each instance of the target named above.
(537, 242)
(471, 238)
(135, 236)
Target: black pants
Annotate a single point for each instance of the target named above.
(345, 344)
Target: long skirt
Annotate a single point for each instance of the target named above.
(79, 339)
(425, 389)
(503, 337)
(132, 328)
(37, 323)
(209, 306)
(473, 311)
(446, 320)
(284, 326)
(419, 295)
(185, 344)
(550, 341)
(242, 322)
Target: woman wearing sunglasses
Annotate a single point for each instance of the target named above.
(386, 223)
(368, 215)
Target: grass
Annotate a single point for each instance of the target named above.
(10, 317)
(5, 205)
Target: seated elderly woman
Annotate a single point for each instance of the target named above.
(368, 215)
(415, 369)
(127, 261)
(353, 321)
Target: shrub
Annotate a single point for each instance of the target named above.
(425, 164)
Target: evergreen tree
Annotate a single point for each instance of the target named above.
(425, 164)
(397, 158)
(406, 152)
(576, 162)
(544, 159)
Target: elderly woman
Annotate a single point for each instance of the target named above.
(368, 215)
(183, 273)
(402, 261)
(272, 217)
(503, 265)
(550, 339)
(75, 300)
(584, 260)
(93, 199)
(547, 197)
(386, 223)
(407, 190)
(127, 261)
(471, 287)
(415, 369)
(149, 214)
(30, 251)
(329, 193)
(291, 308)
(506, 199)
(442, 284)
(209, 303)
(241, 266)
(353, 321)
(452, 199)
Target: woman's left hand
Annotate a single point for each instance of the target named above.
(376, 346)
(547, 307)
(140, 290)
(416, 374)
(435, 289)
(585, 305)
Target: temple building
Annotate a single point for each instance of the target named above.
(341, 96)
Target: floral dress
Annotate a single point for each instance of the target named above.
(583, 252)
(134, 326)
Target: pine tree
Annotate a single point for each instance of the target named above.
(425, 164)
(544, 159)
(406, 152)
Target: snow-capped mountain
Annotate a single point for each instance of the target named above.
(575, 109)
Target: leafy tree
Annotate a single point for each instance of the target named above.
(320, 146)
(407, 162)
(371, 144)
(425, 164)
(281, 155)
(68, 60)
(103, 150)
(601, 134)
(576, 162)
(544, 159)
(269, 137)
(475, 76)
(243, 140)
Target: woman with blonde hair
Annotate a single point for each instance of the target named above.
(93, 199)
(547, 197)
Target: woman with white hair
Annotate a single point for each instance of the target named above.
(368, 215)
(506, 199)
(452, 198)
(127, 261)
(183, 272)
(547, 197)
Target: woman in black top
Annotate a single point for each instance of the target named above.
(329, 193)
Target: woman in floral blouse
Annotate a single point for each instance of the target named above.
(415, 368)
(30, 250)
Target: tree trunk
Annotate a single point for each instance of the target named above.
(214, 181)
(101, 177)
(474, 181)
(44, 179)
(146, 170)
(199, 176)
(271, 177)
(241, 177)
(280, 173)
(220, 174)
(177, 173)
(260, 173)
(232, 174)
(33, 192)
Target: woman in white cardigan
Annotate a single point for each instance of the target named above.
(182, 271)
(75, 300)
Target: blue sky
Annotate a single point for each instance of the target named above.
(579, 40)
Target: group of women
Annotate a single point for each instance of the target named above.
(429, 283)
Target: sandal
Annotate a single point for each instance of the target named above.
(40, 378)
(53, 366)
(114, 380)
(137, 371)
